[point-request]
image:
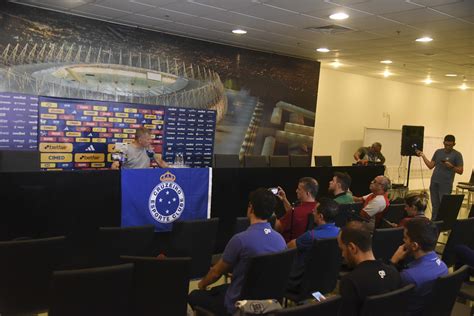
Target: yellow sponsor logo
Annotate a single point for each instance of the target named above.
(111, 148)
(73, 123)
(109, 158)
(149, 126)
(128, 140)
(129, 130)
(50, 157)
(157, 122)
(55, 147)
(115, 119)
(49, 105)
(121, 114)
(99, 140)
(91, 113)
(54, 169)
(121, 135)
(48, 165)
(99, 130)
(153, 136)
(83, 140)
(150, 116)
(84, 157)
(130, 110)
(56, 111)
(49, 116)
(73, 134)
(129, 120)
(100, 108)
(97, 165)
(47, 128)
(99, 119)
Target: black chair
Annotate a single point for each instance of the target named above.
(462, 233)
(323, 161)
(449, 209)
(439, 225)
(444, 293)
(160, 286)
(471, 211)
(226, 161)
(26, 267)
(386, 241)
(300, 161)
(347, 213)
(321, 270)
(95, 291)
(466, 185)
(395, 213)
(279, 161)
(129, 241)
(391, 303)
(241, 224)
(195, 239)
(328, 307)
(254, 161)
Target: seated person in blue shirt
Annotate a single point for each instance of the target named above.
(258, 239)
(324, 217)
(420, 237)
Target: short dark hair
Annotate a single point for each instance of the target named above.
(310, 185)
(263, 203)
(344, 180)
(358, 233)
(449, 138)
(329, 209)
(418, 200)
(424, 232)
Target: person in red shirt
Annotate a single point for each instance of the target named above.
(295, 221)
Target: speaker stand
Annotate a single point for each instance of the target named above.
(408, 172)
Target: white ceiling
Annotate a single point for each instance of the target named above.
(378, 30)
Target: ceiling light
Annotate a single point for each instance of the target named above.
(323, 50)
(428, 80)
(451, 75)
(387, 61)
(387, 73)
(336, 64)
(239, 31)
(463, 86)
(338, 16)
(424, 39)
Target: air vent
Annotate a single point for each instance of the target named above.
(329, 29)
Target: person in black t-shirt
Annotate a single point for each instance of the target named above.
(370, 276)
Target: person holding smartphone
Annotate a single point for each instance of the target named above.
(446, 163)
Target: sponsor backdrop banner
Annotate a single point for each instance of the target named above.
(18, 121)
(162, 196)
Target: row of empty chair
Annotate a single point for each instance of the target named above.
(256, 161)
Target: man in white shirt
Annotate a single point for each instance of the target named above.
(376, 202)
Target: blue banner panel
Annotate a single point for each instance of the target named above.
(18, 121)
(162, 196)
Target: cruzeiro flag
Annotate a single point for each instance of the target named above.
(162, 196)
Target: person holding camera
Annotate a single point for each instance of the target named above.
(139, 153)
(446, 163)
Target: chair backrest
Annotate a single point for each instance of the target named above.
(254, 161)
(439, 225)
(449, 209)
(328, 307)
(95, 291)
(386, 241)
(26, 267)
(300, 161)
(241, 224)
(347, 213)
(279, 161)
(395, 213)
(444, 293)
(462, 233)
(323, 161)
(226, 161)
(471, 211)
(195, 239)
(267, 276)
(321, 268)
(160, 286)
(129, 241)
(391, 303)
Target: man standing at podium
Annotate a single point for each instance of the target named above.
(446, 163)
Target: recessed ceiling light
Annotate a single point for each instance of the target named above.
(336, 64)
(339, 16)
(387, 73)
(428, 80)
(323, 50)
(451, 75)
(424, 39)
(239, 31)
(387, 61)
(463, 86)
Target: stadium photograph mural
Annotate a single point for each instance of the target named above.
(265, 103)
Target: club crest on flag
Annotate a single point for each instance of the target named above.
(166, 202)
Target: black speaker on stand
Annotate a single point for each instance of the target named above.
(412, 140)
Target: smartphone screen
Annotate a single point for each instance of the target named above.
(318, 296)
(274, 190)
